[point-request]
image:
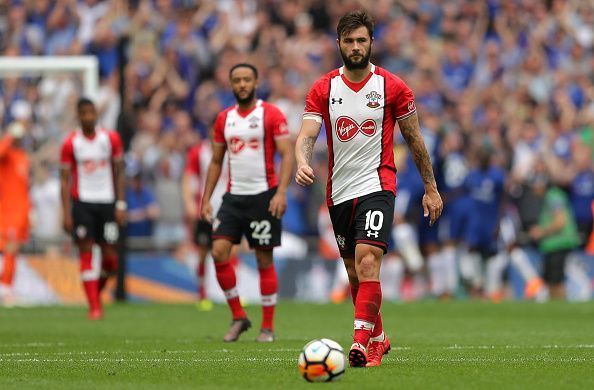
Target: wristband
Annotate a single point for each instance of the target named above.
(121, 205)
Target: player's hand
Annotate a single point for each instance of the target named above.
(305, 175)
(278, 205)
(120, 217)
(206, 211)
(67, 223)
(432, 205)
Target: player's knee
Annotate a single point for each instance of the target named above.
(368, 267)
(264, 258)
(220, 253)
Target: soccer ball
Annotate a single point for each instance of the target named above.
(321, 360)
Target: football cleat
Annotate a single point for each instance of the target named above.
(377, 350)
(357, 355)
(204, 305)
(265, 336)
(236, 329)
(533, 288)
(95, 315)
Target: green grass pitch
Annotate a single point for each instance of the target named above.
(437, 345)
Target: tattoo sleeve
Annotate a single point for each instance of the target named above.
(411, 131)
(307, 146)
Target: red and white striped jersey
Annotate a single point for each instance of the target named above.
(249, 138)
(359, 119)
(91, 164)
(197, 162)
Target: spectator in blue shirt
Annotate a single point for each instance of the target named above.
(142, 207)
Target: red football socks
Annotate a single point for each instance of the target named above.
(227, 281)
(378, 327)
(367, 306)
(89, 281)
(109, 266)
(268, 290)
(201, 272)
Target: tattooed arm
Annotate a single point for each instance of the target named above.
(310, 129)
(411, 131)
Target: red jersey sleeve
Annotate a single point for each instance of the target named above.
(219, 128)
(275, 122)
(404, 100)
(314, 102)
(67, 153)
(117, 148)
(193, 161)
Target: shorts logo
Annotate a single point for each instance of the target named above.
(81, 231)
(372, 234)
(237, 144)
(111, 232)
(347, 128)
(373, 98)
(341, 241)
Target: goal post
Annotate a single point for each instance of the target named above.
(88, 66)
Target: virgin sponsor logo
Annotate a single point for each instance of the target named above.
(347, 128)
(237, 144)
(90, 166)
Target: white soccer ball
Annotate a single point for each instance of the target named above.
(322, 360)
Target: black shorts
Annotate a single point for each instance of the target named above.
(364, 220)
(249, 215)
(95, 221)
(554, 266)
(203, 234)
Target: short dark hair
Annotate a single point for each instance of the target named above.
(244, 65)
(353, 20)
(83, 101)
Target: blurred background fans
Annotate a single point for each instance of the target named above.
(517, 76)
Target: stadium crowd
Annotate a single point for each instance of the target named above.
(506, 81)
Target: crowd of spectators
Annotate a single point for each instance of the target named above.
(517, 75)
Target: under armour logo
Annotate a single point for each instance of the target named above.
(372, 234)
(339, 100)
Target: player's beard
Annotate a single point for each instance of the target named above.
(245, 100)
(352, 65)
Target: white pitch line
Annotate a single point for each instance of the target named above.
(577, 346)
(32, 344)
(147, 360)
(239, 360)
(288, 350)
(531, 359)
(161, 351)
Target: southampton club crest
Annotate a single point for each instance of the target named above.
(340, 240)
(254, 122)
(373, 98)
